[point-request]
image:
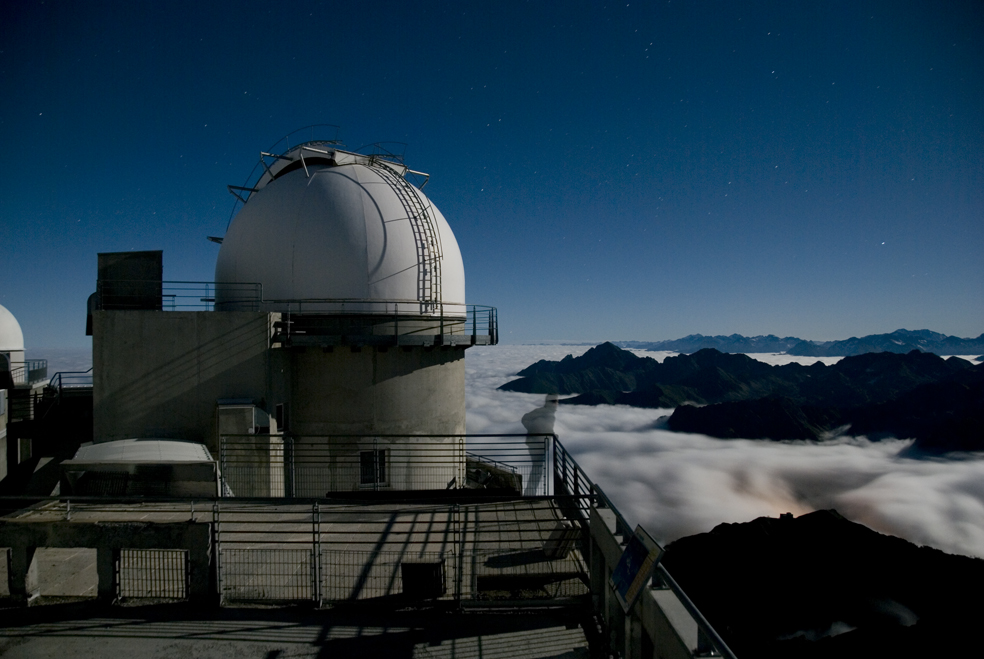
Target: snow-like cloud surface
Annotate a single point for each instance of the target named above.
(677, 484)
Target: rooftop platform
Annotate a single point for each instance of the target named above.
(460, 573)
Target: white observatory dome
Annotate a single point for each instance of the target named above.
(11, 336)
(342, 231)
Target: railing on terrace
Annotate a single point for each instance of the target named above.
(71, 380)
(380, 318)
(318, 465)
(329, 552)
(572, 483)
(174, 295)
(30, 371)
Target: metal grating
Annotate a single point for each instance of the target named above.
(152, 573)
(267, 574)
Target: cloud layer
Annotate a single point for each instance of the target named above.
(677, 484)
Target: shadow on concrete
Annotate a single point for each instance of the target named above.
(93, 629)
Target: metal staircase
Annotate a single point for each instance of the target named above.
(425, 235)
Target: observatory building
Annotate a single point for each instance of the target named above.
(21, 381)
(294, 432)
(331, 353)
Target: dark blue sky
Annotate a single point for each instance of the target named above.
(611, 171)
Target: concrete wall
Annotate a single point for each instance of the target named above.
(107, 538)
(398, 390)
(159, 374)
(377, 391)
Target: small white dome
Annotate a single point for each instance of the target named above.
(341, 233)
(11, 336)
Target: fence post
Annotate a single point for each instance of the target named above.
(289, 485)
(316, 558)
(222, 464)
(217, 548)
(459, 543)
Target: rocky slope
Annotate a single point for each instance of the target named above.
(820, 586)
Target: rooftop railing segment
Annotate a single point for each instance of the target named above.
(71, 379)
(304, 320)
(323, 465)
(30, 371)
(72, 382)
(175, 295)
(327, 552)
(571, 480)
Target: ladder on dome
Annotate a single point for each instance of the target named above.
(425, 236)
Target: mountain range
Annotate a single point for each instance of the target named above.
(917, 395)
(899, 341)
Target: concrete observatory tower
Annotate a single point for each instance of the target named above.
(367, 279)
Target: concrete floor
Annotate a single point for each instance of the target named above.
(175, 632)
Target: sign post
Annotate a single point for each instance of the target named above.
(635, 568)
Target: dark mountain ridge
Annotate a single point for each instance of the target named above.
(900, 341)
(939, 402)
(732, 343)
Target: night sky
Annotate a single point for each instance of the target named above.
(611, 171)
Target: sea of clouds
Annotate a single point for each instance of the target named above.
(678, 484)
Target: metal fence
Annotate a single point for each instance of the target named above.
(176, 295)
(259, 465)
(328, 552)
(571, 481)
(29, 371)
(253, 575)
(159, 574)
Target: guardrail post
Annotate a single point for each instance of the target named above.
(289, 485)
(316, 551)
(459, 544)
(217, 548)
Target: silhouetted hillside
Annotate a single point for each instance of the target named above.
(820, 586)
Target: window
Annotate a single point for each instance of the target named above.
(280, 414)
(372, 467)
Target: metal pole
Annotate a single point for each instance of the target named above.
(316, 557)
(217, 545)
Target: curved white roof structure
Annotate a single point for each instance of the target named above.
(11, 336)
(143, 450)
(325, 226)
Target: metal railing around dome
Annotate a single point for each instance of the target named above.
(383, 322)
(465, 324)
